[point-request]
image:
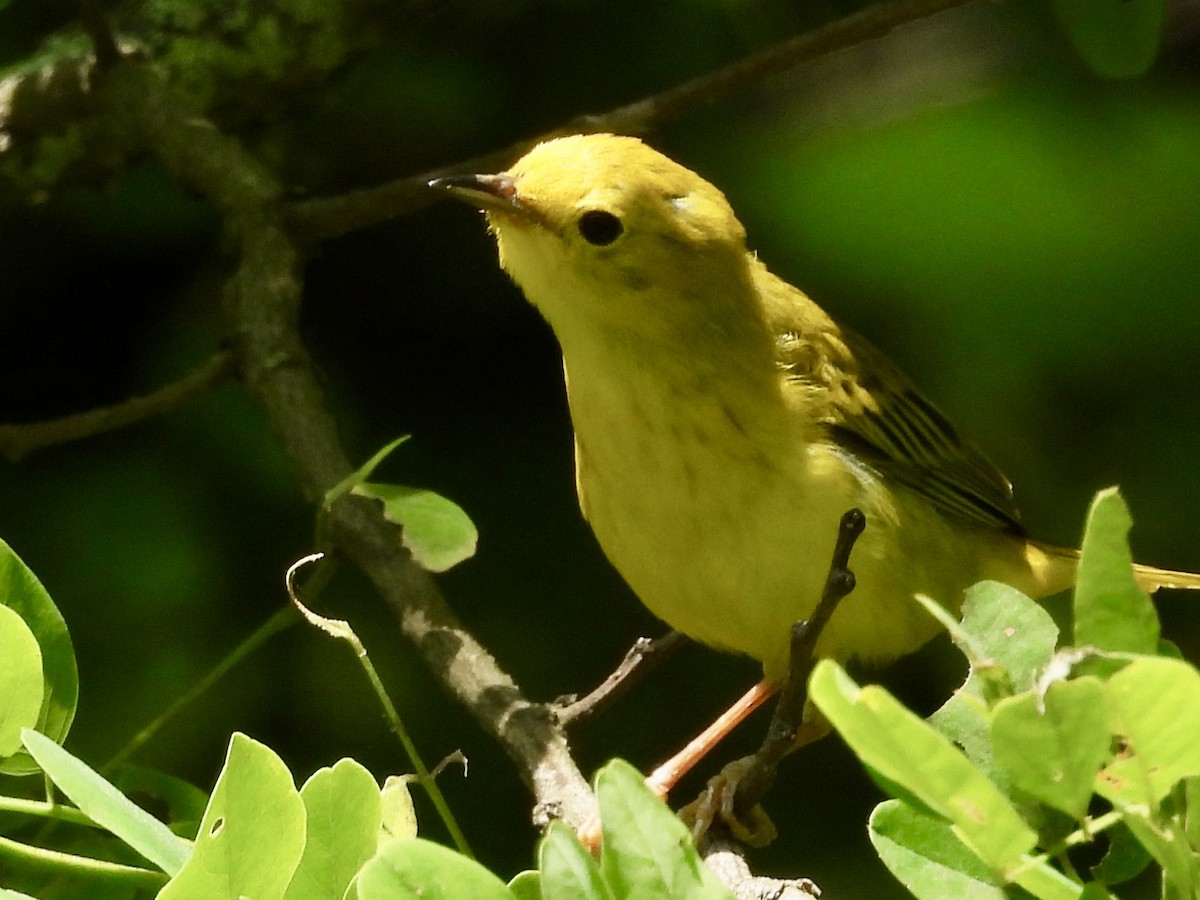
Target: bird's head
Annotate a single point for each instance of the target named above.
(602, 231)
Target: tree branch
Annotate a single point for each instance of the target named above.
(262, 300)
(327, 217)
(18, 441)
(728, 860)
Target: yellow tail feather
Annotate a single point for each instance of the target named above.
(1053, 570)
(1151, 579)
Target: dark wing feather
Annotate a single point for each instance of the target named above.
(875, 412)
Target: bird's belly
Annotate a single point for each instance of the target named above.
(733, 548)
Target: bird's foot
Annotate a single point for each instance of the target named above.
(716, 803)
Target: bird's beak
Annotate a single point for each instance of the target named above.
(491, 193)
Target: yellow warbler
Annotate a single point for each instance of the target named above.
(724, 422)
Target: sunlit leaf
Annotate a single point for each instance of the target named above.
(1053, 746)
(252, 834)
(1154, 705)
(20, 680)
(106, 806)
(417, 869)
(398, 817)
(909, 753)
(342, 819)
(1111, 612)
(21, 591)
(926, 856)
(437, 531)
(567, 870)
(646, 848)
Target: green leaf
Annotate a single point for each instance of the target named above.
(106, 806)
(363, 472)
(526, 885)
(1013, 631)
(437, 531)
(252, 834)
(926, 856)
(343, 812)
(965, 720)
(399, 818)
(1154, 705)
(1191, 803)
(646, 850)
(1111, 612)
(567, 869)
(1170, 849)
(909, 753)
(1116, 38)
(1052, 747)
(20, 680)
(21, 591)
(1007, 639)
(412, 868)
(1124, 859)
(184, 801)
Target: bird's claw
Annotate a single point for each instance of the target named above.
(754, 829)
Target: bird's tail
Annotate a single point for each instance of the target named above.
(1151, 579)
(1055, 569)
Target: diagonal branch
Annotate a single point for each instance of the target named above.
(262, 301)
(328, 217)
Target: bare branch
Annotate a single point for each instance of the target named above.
(262, 300)
(329, 217)
(18, 441)
(641, 658)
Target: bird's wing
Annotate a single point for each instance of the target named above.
(874, 412)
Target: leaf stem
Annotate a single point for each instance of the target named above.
(81, 866)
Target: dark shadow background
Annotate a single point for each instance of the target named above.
(1022, 237)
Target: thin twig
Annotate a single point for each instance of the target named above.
(282, 619)
(341, 630)
(327, 217)
(642, 658)
(18, 441)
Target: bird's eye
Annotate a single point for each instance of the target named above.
(599, 227)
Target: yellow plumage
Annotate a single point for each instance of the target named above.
(723, 422)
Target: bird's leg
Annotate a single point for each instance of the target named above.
(663, 778)
(734, 794)
(667, 775)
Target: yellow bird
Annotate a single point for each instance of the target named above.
(724, 422)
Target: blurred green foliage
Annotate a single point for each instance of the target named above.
(1022, 236)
